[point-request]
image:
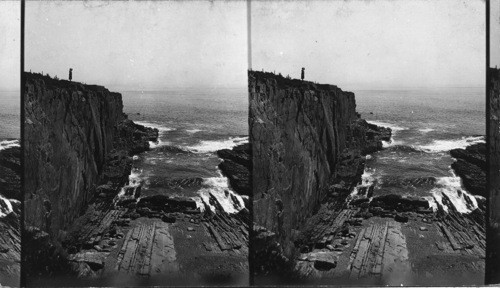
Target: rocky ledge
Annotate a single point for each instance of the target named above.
(10, 209)
(470, 165)
(236, 166)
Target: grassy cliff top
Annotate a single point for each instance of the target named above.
(61, 83)
(285, 82)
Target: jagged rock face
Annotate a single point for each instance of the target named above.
(493, 237)
(70, 129)
(470, 165)
(304, 136)
(236, 166)
(10, 211)
(10, 173)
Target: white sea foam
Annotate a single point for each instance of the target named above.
(219, 188)
(158, 143)
(134, 180)
(432, 202)
(367, 179)
(161, 130)
(447, 145)
(393, 127)
(192, 131)
(5, 206)
(8, 144)
(426, 130)
(153, 145)
(160, 127)
(386, 144)
(206, 146)
(452, 187)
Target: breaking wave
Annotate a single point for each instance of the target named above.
(219, 188)
(207, 146)
(5, 144)
(447, 145)
(452, 187)
(5, 206)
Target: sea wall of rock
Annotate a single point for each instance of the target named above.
(10, 211)
(470, 166)
(71, 133)
(493, 190)
(306, 138)
(237, 166)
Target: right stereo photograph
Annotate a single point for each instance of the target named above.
(368, 134)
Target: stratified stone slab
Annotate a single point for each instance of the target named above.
(93, 258)
(381, 251)
(395, 263)
(148, 249)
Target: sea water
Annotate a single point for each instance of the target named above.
(9, 134)
(426, 124)
(193, 124)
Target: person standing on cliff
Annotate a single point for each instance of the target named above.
(302, 74)
(70, 74)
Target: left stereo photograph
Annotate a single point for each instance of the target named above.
(136, 144)
(10, 151)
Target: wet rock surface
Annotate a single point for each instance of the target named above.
(10, 173)
(471, 167)
(236, 166)
(10, 209)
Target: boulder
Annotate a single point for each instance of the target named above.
(401, 218)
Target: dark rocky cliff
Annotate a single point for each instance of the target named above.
(236, 166)
(470, 165)
(493, 191)
(308, 143)
(10, 211)
(73, 135)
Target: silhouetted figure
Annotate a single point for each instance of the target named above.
(302, 74)
(70, 74)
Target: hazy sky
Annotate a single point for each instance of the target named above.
(373, 44)
(139, 45)
(495, 33)
(10, 45)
